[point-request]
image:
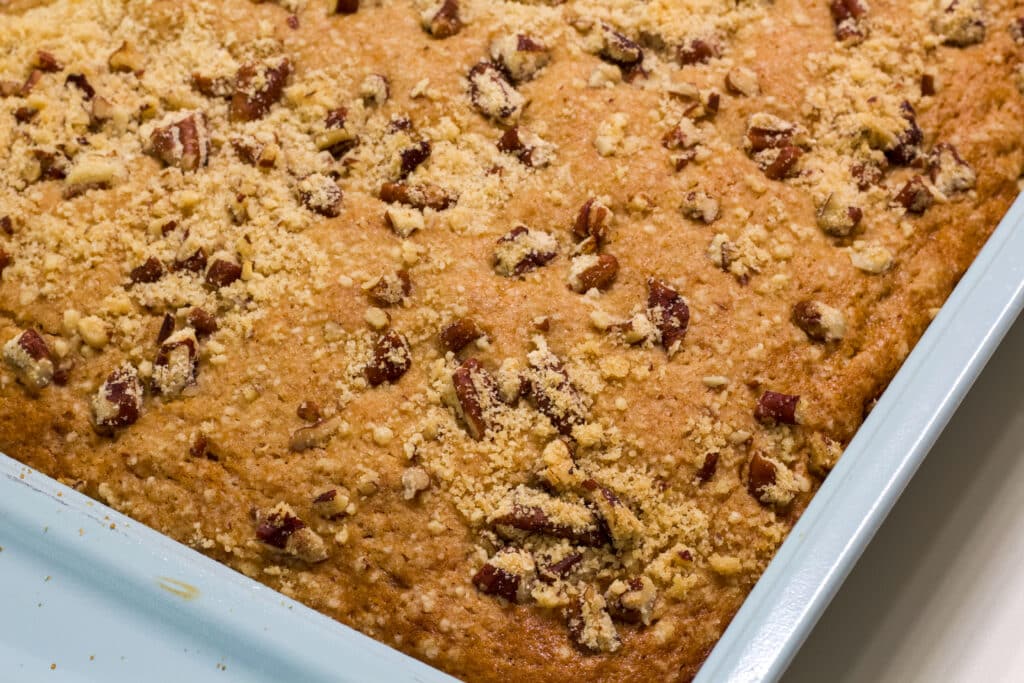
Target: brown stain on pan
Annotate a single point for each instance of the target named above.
(185, 591)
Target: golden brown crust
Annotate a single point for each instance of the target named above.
(638, 464)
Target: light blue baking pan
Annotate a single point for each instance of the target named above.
(86, 594)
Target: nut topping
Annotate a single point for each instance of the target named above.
(46, 62)
(591, 271)
(375, 90)
(772, 483)
(907, 145)
(493, 95)
(392, 358)
(118, 402)
(389, 290)
(551, 517)
(337, 137)
(850, 18)
(459, 333)
(194, 262)
(838, 217)
(553, 392)
(176, 364)
(424, 196)
(30, 358)
(696, 51)
(632, 601)
(257, 87)
(915, 196)
(772, 143)
(403, 222)
(590, 625)
(412, 157)
(819, 321)
(624, 52)
(948, 172)
(333, 504)
(442, 19)
(774, 407)
(520, 56)
(150, 271)
(476, 395)
(166, 328)
(222, 273)
(669, 313)
(507, 575)
(623, 526)
(522, 250)
(593, 220)
(961, 22)
(320, 194)
(700, 206)
(202, 322)
(342, 6)
(283, 530)
(527, 147)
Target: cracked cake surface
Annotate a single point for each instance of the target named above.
(516, 334)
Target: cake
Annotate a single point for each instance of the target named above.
(516, 335)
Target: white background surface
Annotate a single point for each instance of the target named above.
(939, 593)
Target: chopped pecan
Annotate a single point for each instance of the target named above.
(30, 83)
(200, 448)
(700, 206)
(838, 217)
(770, 482)
(222, 273)
(255, 151)
(220, 87)
(320, 194)
(761, 475)
(118, 402)
(202, 322)
(593, 220)
(337, 137)
(527, 147)
(25, 114)
(961, 22)
(508, 574)
(459, 333)
(332, 504)
(412, 157)
(7, 224)
(766, 131)
(623, 526)
(535, 520)
(590, 625)
(442, 19)
(669, 313)
(167, 325)
(176, 364)
(696, 51)
(928, 85)
(592, 271)
(560, 569)
(342, 6)
(46, 62)
(52, 166)
(194, 262)
(553, 392)
(375, 90)
(868, 173)
(948, 172)
(257, 87)
(624, 52)
(29, 356)
(632, 601)
(522, 250)
(850, 19)
(493, 95)
(476, 395)
(282, 529)
(424, 196)
(775, 408)
(906, 147)
(392, 358)
(389, 290)
(82, 83)
(742, 81)
(183, 142)
(824, 453)
(521, 56)
(316, 435)
(708, 467)
(915, 196)
(150, 271)
(126, 59)
(784, 163)
(819, 321)
(308, 411)
(5, 260)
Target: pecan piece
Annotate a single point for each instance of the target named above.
(459, 333)
(850, 19)
(392, 358)
(590, 625)
(82, 83)
(316, 435)
(868, 173)
(194, 262)
(424, 196)
(308, 411)
(337, 137)
(282, 529)
(632, 601)
(837, 216)
(150, 271)
(625, 529)
(332, 504)
(476, 395)
(46, 62)
(320, 194)
(819, 321)
(773, 144)
(770, 482)
(166, 328)
(183, 142)
(784, 164)
(915, 196)
(948, 172)
(522, 250)
(906, 147)
(118, 402)
(592, 271)
(700, 206)
(521, 56)
(5, 260)
(412, 157)
(562, 568)
(528, 147)
(493, 95)
(585, 528)
(696, 51)
(342, 6)
(776, 408)
(669, 313)
(176, 364)
(202, 322)
(257, 87)
(389, 290)
(553, 392)
(593, 220)
(708, 467)
(622, 51)
(375, 90)
(442, 19)
(29, 356)
(961, 22)
(222, 273)
(508, 574)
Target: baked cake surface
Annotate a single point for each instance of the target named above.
(516, 335)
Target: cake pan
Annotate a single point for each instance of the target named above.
(88, 594)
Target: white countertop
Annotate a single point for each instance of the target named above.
(939, 593)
